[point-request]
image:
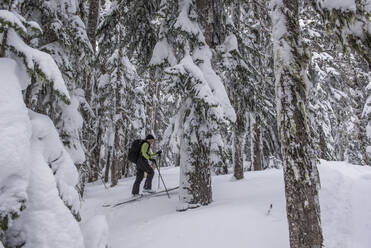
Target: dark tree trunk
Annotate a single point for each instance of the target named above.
(238, 161)
(108, 165)
(114, 177)
(212, 17)
(155, 116)
(300, 171)
(238, 144)
(257, 155)
(93, 21)
(117, 154)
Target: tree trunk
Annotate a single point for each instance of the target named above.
(108, 165)
(195, 175)
(300, 171)
(93, 21)
(256, 155)
(114, 178)
(238, 161)
(212, 17)
(155, 116)
(117, 158)
(238, 143)
(148, 127)
(3, 44)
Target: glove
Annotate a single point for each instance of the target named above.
(159, 152)
(152, 160)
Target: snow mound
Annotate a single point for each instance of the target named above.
(47, 222)
(15, 134)
(336, 4)
(95, 232)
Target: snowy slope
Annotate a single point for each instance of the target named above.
(240, 215)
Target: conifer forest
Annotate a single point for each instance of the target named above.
(252, 119)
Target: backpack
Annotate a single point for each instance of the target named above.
(134, 150)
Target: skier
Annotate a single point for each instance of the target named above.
(142, 166)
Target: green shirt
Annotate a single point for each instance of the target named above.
(145, 153)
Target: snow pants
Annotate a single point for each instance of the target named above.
(143, 166)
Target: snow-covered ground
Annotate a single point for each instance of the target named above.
(241, 214)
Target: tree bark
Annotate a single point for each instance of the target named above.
(108, 165)
(238, 143)
(256, 155)
(195, 175)
(238, 161)
(93, 21)
(117, 154)
(155, 116)
(3, 44)
(212, 18)
(300, 171)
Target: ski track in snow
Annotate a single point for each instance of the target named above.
(337, 212)
(238, 217)
(345, 205)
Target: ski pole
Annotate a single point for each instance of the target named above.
(162, 178)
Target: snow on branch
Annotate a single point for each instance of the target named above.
(18, 23)
(39, 62)
(10, 20)
(336, 4)
(350, 20)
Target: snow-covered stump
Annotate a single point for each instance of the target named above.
(95, 232)
(300, 171)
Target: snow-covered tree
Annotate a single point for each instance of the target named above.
(337, 96)
(299, 164)
(141, 30)
(121, 109)
(348, 22)
(247, 71)
(205, 104)
(93, 18)
(65, 39)
(43, 192)
(37, 173)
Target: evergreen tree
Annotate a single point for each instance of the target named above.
(65, 38)
(93, 18)
(51, 165)
(120, 95)
(335, 110)
(247, 70)
(299, 164)
(205, 105)
(338, 117)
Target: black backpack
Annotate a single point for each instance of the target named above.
(134, 150)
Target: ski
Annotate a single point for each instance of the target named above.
(156, 194)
